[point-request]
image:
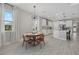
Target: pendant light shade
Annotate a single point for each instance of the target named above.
(34, 17)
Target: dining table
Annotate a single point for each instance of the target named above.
(33, 36)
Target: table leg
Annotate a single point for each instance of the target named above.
(34, 40)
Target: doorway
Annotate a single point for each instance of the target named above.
(75, 29)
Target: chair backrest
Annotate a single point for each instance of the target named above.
(42, 36)
(25, 38)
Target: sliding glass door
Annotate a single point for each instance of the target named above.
(75, 29)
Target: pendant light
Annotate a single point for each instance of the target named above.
(34, 17)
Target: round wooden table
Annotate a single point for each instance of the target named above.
(33, 36)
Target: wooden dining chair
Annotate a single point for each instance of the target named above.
(40, 39)
(26, 40)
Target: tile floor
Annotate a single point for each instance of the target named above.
(52, 47)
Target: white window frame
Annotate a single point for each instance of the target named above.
(4, 9)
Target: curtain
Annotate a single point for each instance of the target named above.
(7, 37)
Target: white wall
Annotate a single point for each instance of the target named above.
(0, 24)
(22, 24)
(25, 22)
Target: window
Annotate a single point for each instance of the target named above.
(8, 19)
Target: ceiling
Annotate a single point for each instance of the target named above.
(50, 10)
